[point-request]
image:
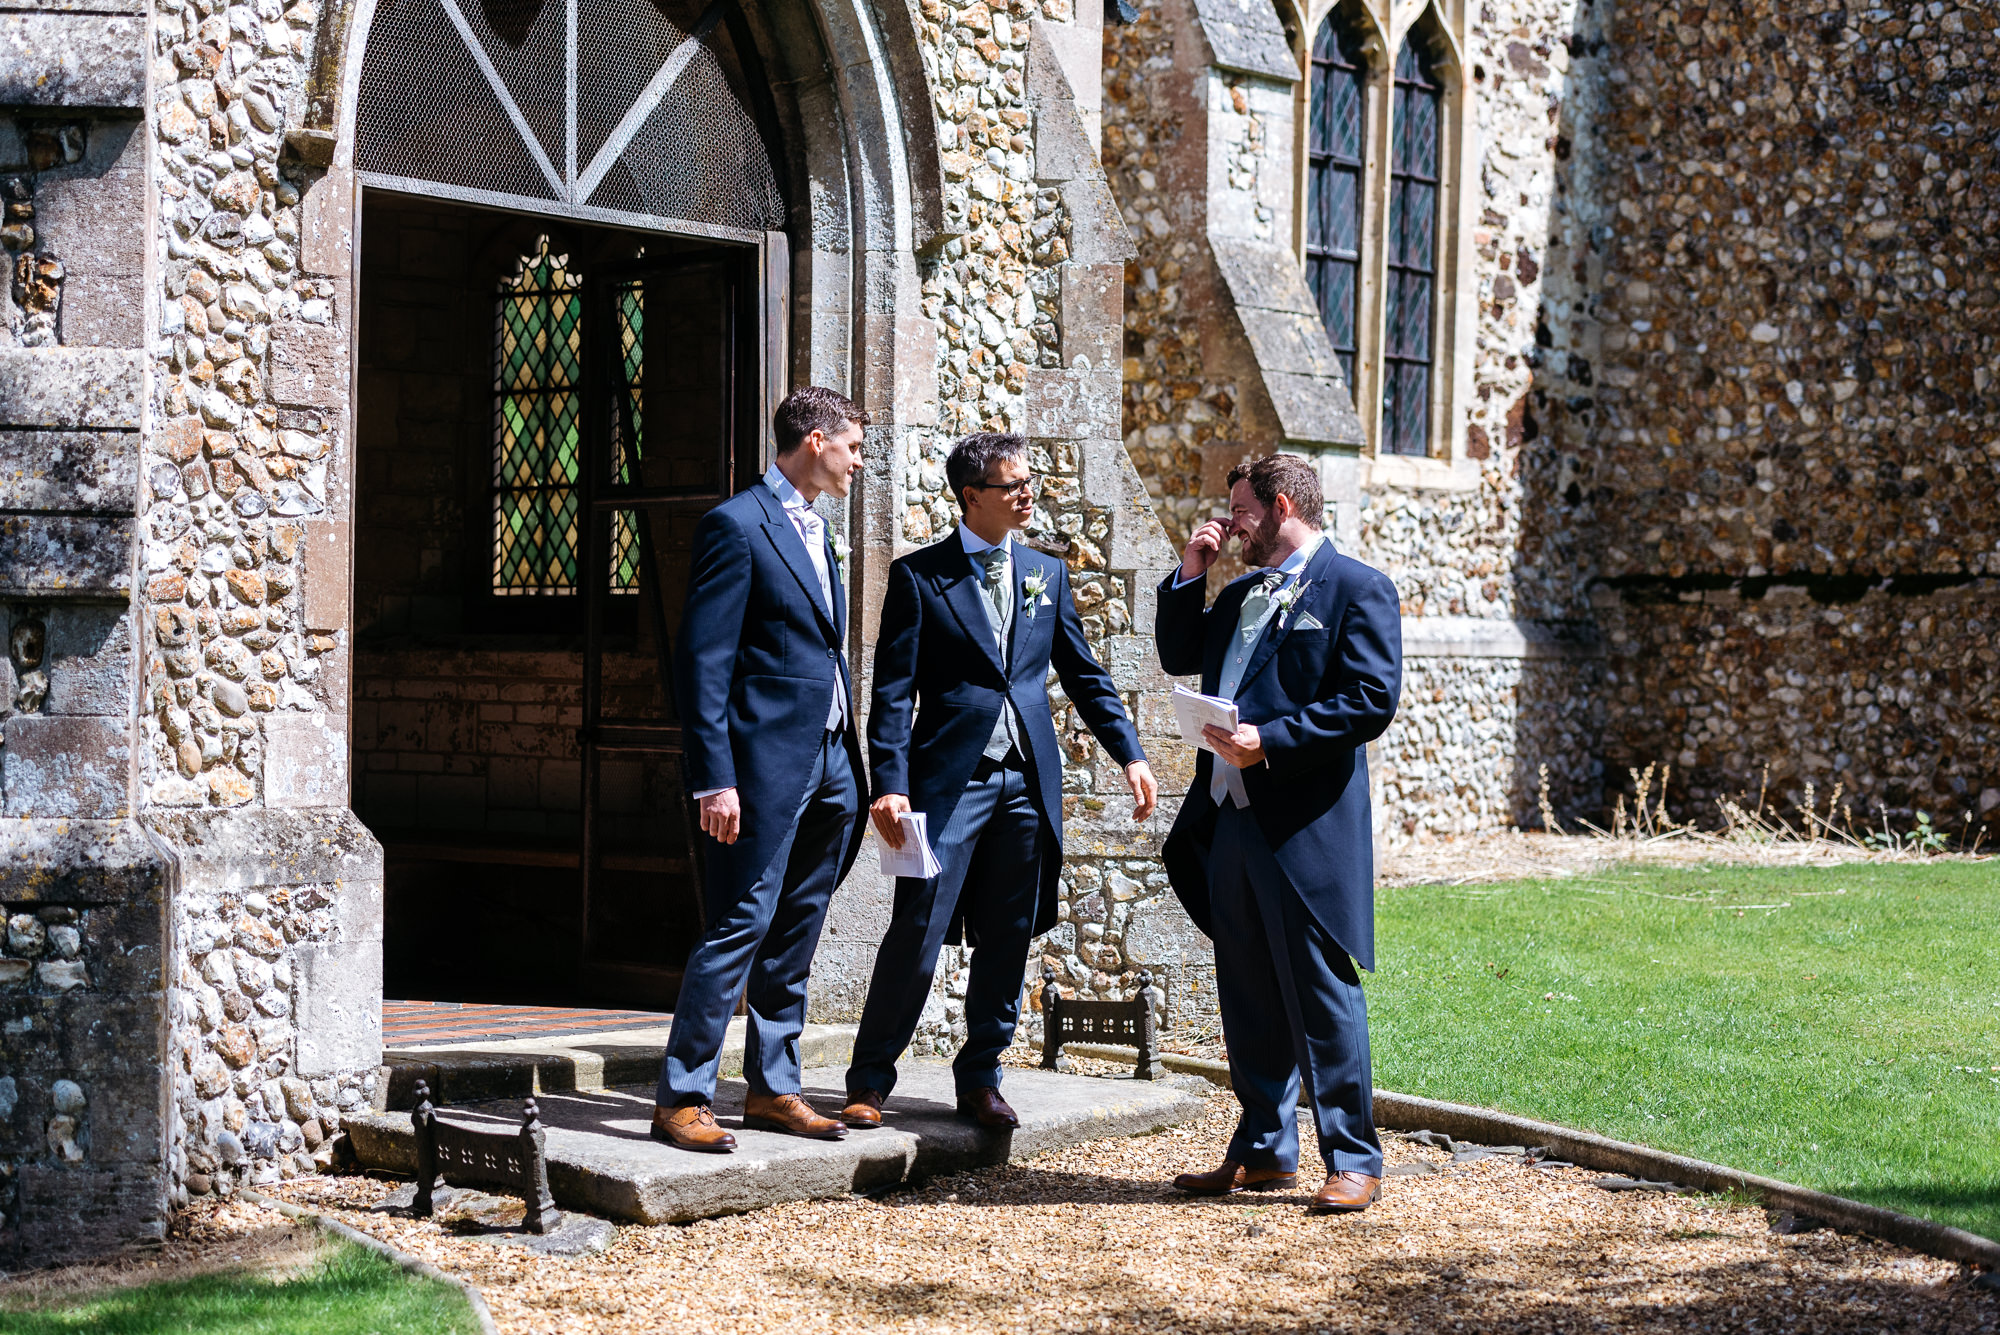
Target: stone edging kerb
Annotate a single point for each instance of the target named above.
(413, 1264)
(1406, 1112)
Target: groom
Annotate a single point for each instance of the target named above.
(970, 628)
(775, 763)
(1272, 853)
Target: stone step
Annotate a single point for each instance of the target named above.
(602, 1159)
(517, 1067)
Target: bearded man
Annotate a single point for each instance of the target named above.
(1272, 851)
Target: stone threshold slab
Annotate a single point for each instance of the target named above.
(517, 1067)
(602, 1159)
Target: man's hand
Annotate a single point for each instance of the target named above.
(1242, 748)
(1145, 792)
(1204, 547)
(884, 811)
(722, 816)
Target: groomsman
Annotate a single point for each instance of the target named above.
(774, 760)
(1272, 852)
(970, 627)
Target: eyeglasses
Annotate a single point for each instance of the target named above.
(1028, 486)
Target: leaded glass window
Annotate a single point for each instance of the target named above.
(538, 428)
(1333, 184)
(537, 431)
(1409, 354)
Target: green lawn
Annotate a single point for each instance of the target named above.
(1838, 1028)
(347, 1291)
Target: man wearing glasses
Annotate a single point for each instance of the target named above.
(971, 626)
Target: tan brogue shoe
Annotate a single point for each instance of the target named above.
(792, 1115)
(989, 1108)
(1346, 1193)
(1233, 1177)
(863, 1110)
(692, 1127)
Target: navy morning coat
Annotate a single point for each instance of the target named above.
(936, 657)
(1318, 696)
(758, 661)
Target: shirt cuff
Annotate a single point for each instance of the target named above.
(708, 792)
(1180, 584)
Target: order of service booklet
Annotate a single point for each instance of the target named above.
(914, 858)
(1195, 711)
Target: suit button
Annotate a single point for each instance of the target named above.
(833, 653)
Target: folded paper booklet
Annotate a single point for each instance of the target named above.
(1195, 711)
(914, 858)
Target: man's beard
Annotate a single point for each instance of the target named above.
(1260, 544)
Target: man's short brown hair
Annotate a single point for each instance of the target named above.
(1277, 475)
(811, 408)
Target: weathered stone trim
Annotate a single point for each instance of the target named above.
(1245, 36)
(73, 61)
(95, 389)
(1481, 637)
(1293, 354)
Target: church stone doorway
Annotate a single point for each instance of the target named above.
(572, 278)
(546, 408)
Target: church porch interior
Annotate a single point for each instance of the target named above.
(514, 747)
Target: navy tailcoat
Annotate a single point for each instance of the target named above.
(1318, 696)
(936, 649)
(758, 661)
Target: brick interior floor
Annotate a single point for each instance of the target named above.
(411, 1023)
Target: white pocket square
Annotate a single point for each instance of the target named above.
(1310, 622)
(1045, 602)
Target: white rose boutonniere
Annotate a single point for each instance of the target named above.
(1033, 586)
(840, 554)
(1285, 597)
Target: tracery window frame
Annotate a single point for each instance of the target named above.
(1387, 26)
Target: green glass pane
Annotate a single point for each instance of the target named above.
(625, 552)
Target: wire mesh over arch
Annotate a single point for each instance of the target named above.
(640, 107)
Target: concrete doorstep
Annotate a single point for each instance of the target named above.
(603, 1160)
(517, 1067)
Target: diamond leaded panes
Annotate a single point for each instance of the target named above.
(538, 431)
(1333, 184)
(1409, 355)
(537, 434)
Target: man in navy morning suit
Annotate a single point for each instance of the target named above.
(773, 758)
(1272, 853)
(970, 627)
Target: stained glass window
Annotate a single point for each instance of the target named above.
(1333, 184)
(1408, 352)
(537, 432)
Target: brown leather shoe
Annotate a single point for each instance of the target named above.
(791, 1114)
(692, 1127)
(989, 1108)
(1346, 1193)
(863, 1110)
(1233, 1177)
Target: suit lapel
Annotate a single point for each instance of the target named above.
(1024, 565)
(792, 551)
(1274, 633)
(961, 594)
(839, 591)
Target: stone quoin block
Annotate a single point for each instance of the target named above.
(72, 60)
(305, 760)
(66, 766)
(309, 365)
(94, 471)
(73, 388)
(65, 556)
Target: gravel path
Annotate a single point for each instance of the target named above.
(1090, 1239)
